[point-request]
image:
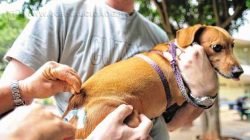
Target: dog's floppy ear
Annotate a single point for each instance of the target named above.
(186, 36)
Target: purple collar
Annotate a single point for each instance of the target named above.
(178, 77)
(164, 81)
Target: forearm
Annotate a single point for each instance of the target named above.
(14, 71)
(6, 101)
(184, 115)
(6, 98)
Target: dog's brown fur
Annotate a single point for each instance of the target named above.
(134, 82)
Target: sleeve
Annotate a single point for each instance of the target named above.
(41, 40)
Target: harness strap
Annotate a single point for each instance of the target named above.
(176, 70)
(180, 82)
(160, 73)
(171, 111)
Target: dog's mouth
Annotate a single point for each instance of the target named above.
(228, 76)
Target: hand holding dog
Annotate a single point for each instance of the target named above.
(198, 72)
(43, 125)
(50, 79)
(117, 130)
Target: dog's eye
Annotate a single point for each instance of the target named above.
(217, 48)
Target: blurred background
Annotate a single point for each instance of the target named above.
(224, 120)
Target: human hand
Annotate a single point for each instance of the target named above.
(113, 127)
(50, 79)
(42, 125)
(198, 72)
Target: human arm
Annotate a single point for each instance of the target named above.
(15, 70)
(113, 127)
(50, 79)
(39, 42)
(51, 127)
(42, 125)
(201, 79)
(183, 116)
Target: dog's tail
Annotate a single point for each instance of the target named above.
(75, 101)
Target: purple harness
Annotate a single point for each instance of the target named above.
(176, 70)
(160, 73)
(177, 74)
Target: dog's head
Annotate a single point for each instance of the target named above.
(218, 45)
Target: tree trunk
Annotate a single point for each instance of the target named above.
(211, 123)
(162, 9)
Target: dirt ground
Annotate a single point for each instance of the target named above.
(231, 125)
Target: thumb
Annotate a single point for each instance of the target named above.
(68, 131)
(62, 86)
(120, 113)
(146, 125)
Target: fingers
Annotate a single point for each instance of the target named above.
(190, 54)
(120, 113)
(145, 126)
(197, 50)
(56, 121)
(68, 75)
(67, 129)
(73, 80)
(55, 71)
(197, 46)
(42, 112)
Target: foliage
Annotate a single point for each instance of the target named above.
(12, 24)
(145, 7)
(176, 14)
(10, 27)
(30, 6)
(172, 15)
(248, 3)
(45, 102)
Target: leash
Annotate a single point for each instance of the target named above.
(164, 81)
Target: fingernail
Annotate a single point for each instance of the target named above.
(130, 106)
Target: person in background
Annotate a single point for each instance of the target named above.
(241, 106)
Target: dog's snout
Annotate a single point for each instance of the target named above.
(237, 71)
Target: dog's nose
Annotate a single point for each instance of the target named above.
(237, 71)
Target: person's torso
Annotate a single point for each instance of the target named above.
(97, 35)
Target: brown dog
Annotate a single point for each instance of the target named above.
(135, 82)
